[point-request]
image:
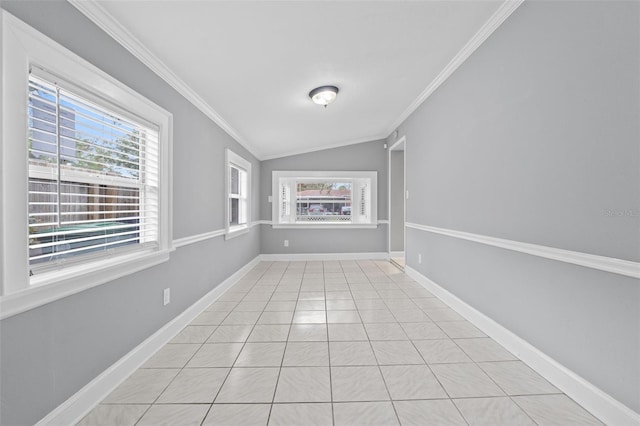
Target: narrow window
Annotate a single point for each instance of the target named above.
(238, 194)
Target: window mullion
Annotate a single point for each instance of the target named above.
(58, 177)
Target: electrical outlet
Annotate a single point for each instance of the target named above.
(270, 199)
(420, 258)
(407, 195)
(286, 243)
(167, 296)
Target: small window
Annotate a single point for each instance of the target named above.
(343, 199)
(238, 194)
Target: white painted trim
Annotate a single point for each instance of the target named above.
(499, 16)
(290, 257)
(237, 231)
(231, 159)
(261, 222)
(99, 16)
(185, 241)
(322, 226)
(290, 177)
(26, 46)
(396, 254)
(401, 141)
(270, 222)
(598, 402)
(602, 263)
(77, 406)
(103, 19)
(109, 270)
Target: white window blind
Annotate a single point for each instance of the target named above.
(93, 176)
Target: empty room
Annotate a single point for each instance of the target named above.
(313, 212)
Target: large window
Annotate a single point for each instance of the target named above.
(93, 177)
(86, 185)
(238, 180)
(324, 199)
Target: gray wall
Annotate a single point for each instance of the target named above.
(49, 353)
(368, 156)
(396, 195)
(535, 138)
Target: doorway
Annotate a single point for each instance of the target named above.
(397, 202)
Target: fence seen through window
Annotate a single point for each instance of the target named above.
(92, 176)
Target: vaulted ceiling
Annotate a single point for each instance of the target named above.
(251, 64)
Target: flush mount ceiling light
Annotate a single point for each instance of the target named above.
(324, 95)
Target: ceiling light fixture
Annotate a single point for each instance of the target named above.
(324, 95)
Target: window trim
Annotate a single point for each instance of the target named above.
(22, 47)
(277, 175)
(233, 159)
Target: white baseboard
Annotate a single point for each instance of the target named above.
(77, 406)
(397, 254)
(288, 257)
(599, 403)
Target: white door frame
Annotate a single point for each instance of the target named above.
(400, 141)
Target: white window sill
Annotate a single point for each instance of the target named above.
(236, 231)
(55, 285)
(324, 226)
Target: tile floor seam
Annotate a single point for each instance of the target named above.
(275, 389)
(523, 410)
(234, 361)
(395, 411)
(333, 416)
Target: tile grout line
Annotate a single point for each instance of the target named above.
(237, 356)
(490, 378)
(275, 389)
(174, 378)
(450, 399)
(377, 361)
(326, 313)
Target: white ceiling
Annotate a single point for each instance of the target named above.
(253, 63)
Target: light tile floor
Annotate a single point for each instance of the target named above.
(333, 343)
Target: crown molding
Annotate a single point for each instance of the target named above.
(504, 11)
(103, 19)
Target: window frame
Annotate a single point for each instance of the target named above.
(24, 47)
(146, 184)
(233, 160)
(281, 176)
